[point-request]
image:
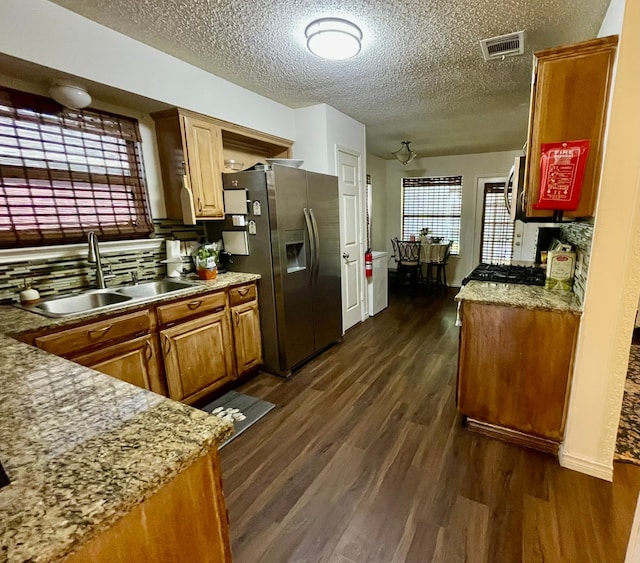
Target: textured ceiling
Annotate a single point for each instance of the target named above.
(420, 75)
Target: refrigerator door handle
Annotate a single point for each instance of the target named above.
(312, 242)
(316, 235)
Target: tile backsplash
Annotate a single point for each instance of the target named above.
(579, 234)
(61, 275)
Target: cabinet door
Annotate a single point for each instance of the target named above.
(515, 367)
(185, 520)
(198, 356)
(135, 362)
(568, 103)
(204, 156)
(246, 333)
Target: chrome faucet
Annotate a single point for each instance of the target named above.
(94, 258)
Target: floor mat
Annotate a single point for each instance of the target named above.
(628, 442)
(253, 409)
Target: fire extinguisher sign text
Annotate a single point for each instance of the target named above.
(562, 168)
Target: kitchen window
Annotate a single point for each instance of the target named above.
(66, 172)
(496, 242)
(434, 203)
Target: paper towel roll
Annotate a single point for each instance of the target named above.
(173, 249)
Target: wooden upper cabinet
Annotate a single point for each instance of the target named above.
(192, 150)
(569, 101)
(203, 141)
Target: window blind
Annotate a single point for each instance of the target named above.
(434, 203)
(66, 172)
(497, 228)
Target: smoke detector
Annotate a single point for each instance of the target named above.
(502, 46)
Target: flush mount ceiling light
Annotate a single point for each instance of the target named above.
(404, 154)
(70, 95)
(333, 38)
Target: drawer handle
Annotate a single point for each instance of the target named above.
(168, 343)
(243, 291)
(195, 304)
(218, 309)
(99, 332)
(237, 319)
(149, 350)
(199, 205)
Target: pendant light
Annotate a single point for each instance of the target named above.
(333, 38)
(404, 154)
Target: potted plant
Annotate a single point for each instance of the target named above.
(206, 259)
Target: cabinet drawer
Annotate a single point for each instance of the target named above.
(197, 305)
(242, 294)
(75, 340)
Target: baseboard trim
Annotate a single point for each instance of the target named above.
(586, 465)
(513, 436)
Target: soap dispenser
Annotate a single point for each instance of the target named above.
(28, 295)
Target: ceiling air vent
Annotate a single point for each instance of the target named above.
(508, 45)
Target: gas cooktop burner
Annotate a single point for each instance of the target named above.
(506, 273)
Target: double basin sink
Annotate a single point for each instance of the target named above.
(98, 299)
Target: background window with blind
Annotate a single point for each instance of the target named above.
(66, 172)
(496, 242)
(434, 203)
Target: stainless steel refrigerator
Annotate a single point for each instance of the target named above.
(293, 241)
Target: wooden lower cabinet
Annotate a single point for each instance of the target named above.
(514, 369)
(184, 522)
(198, 356)
(196, 351)
(135, 362)
(247, 336)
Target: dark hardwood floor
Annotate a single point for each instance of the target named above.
(364, 460)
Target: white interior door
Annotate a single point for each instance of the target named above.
(351, 250)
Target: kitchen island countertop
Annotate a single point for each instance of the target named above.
(521, 296)
(81, 448)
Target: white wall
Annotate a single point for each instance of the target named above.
(377, 169)
(49, 35)
(344, 131)
(471, 167)
(613, 285)
(311, 138)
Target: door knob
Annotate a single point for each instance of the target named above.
(345, 255)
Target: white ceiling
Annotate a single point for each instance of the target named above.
(420, 75)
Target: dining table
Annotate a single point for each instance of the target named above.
(432, 252)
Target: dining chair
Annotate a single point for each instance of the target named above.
(407, 256)
(437, 270)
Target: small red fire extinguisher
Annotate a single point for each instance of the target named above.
(368, 263)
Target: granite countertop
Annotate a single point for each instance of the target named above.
(521, 296)
(82, 448)
(18, 321)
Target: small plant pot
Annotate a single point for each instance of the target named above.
(205, 274)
